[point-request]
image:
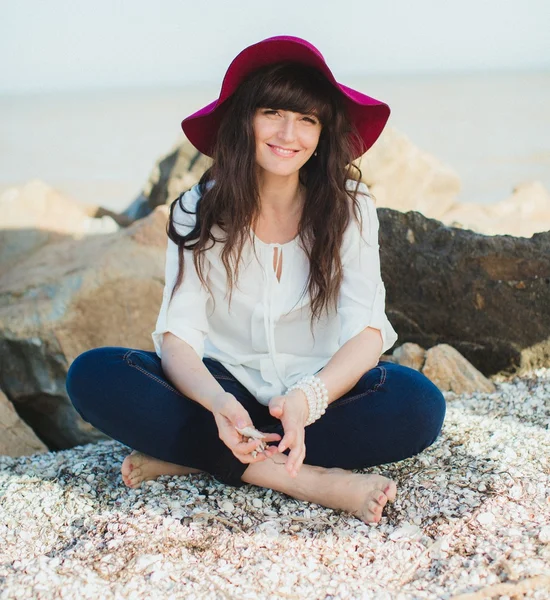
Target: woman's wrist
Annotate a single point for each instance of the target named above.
(298, 395)
(316, 394)
(221, 400)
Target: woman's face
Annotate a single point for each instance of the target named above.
(285, 140)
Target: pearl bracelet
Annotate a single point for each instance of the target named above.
(316, 394)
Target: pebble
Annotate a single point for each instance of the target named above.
(544, 534)
(516, 492)
(406, 533)
(257, 503)
(227, 506)
(486, 518)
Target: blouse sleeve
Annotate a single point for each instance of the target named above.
(185, 316)
(362, 297)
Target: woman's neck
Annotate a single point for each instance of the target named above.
(281, 197)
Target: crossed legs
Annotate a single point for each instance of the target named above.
(391, 414)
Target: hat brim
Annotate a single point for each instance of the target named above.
(368, 114)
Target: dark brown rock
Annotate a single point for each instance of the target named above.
(487, 296)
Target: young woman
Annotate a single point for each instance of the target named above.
(273, 309)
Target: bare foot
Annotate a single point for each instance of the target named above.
(365, 496)
(138, 467)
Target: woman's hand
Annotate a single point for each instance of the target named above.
(293, 411)
(230, 413)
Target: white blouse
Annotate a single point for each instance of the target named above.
(264, 339)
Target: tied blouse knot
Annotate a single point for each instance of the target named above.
(264, 338)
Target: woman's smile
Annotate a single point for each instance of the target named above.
(282, 152)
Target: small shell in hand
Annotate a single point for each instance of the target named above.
(253, 433)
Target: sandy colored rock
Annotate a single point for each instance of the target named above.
(16, 437)
(35, 214)
(410, 355)
(71, 296)
(404, 177)
(451, 372)
(525, 212)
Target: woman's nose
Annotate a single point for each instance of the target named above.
(287, 132)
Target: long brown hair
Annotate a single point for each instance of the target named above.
(233, 201)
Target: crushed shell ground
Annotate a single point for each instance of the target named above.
(472, 515)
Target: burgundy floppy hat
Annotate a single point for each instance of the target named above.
(368, 114)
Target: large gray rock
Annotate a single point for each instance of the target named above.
(72, 296)
(488, 297)
(172, 174)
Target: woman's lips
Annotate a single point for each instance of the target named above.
(282, 152)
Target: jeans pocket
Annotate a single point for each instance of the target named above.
(369, 383)
(149, 364)
(146, 360)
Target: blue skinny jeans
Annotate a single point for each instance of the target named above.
(393, 412)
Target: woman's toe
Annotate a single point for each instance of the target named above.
(390, 491)
(381, 498)
(374, 508)
(135, 475)
(126, 467)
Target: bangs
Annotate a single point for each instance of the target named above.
(298, 89)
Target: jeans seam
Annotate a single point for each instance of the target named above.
(155, 378)
(161, 381)
(374, 389)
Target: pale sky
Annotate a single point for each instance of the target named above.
(72, 44)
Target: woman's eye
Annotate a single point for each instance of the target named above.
(311, 120)
(270, 111)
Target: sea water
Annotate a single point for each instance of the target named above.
(99, 146)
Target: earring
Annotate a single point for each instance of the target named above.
(315, 153)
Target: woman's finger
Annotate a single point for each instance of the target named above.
(246, 447)
(248, 458)
(271, 451)
(296, 459)
(277, 406)
(272, 437)
(288, 441)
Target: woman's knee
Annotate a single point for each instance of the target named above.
(423, 403)
(88, 371)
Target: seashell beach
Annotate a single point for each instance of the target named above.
(471, 521)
